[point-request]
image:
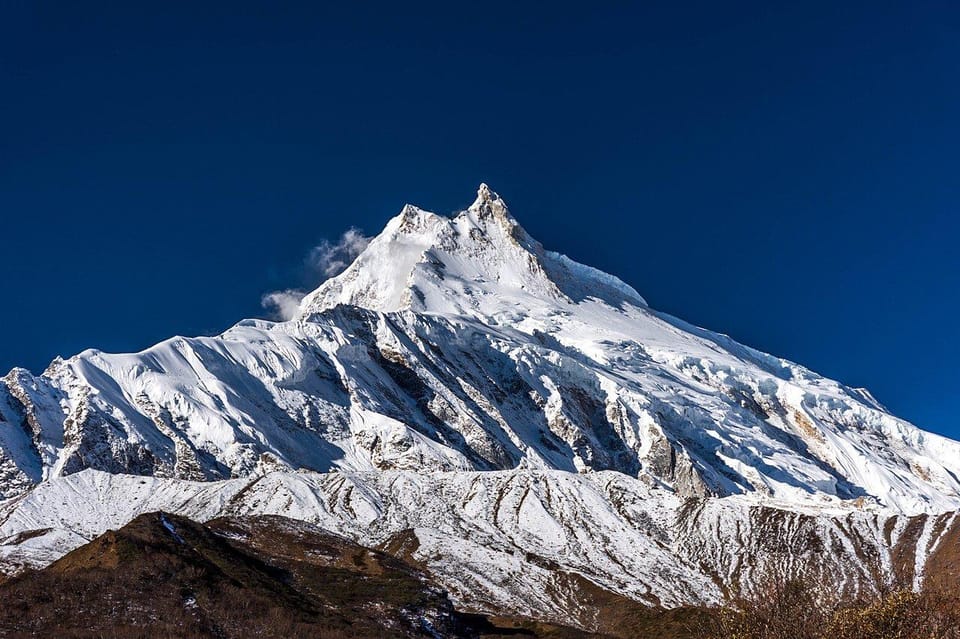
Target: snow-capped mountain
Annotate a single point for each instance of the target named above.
(456, 346)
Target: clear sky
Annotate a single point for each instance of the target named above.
(784, 174)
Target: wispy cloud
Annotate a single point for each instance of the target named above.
(325, 260)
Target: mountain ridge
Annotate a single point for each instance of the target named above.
(165, 575)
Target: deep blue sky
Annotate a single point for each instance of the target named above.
(787, 175)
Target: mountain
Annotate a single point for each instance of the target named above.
(167, 576)
(535, 424)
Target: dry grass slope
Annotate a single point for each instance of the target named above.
(264, 577)
(795, 609)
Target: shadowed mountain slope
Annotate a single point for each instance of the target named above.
(165, 576)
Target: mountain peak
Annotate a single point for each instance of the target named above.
(485, 196)
(490, 206)
(481, 262)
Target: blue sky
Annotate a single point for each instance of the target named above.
(784, 174)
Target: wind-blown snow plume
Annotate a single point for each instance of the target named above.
(331, 259)
(324, 261)
(283, 305)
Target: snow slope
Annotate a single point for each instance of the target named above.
(510, 541)
(458, 345)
